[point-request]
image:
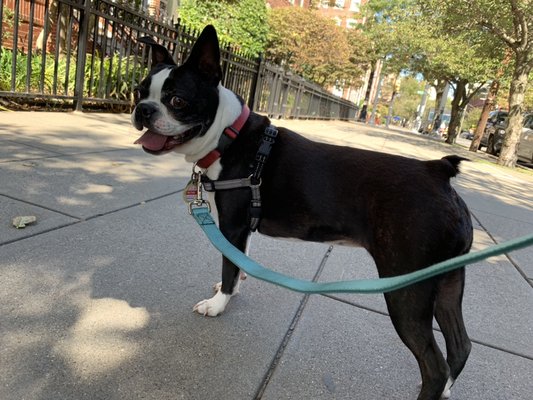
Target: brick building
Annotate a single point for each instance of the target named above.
(344, 12)
(26, 14)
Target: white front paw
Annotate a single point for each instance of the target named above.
(213, 306)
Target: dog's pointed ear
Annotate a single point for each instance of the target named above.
(160, 54)
(205, 54)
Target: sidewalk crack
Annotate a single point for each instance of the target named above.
(513, 262)
(292, 327)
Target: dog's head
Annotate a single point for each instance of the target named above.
(176, 104)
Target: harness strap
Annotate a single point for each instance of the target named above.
(213, 186)
(382, 285)
(267, 141)
(253, 181)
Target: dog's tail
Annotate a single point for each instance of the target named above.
(447, 167)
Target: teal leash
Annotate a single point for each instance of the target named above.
(382, 285)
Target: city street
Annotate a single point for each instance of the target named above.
(96, 296)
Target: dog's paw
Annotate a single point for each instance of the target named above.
(213, 306)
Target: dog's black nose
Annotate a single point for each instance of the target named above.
(146, 110)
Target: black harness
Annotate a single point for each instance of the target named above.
(253, 181)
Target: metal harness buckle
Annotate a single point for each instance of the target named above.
(199, 201)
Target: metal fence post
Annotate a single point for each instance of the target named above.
(82, 54)
(256, 82)
(284, 95)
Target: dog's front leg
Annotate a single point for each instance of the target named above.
(230, 278)
(224, 291)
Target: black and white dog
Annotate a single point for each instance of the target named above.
(403, 211)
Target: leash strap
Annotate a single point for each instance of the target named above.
(382, 285)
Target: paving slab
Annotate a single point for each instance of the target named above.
(46, 220)
(338, 351)
(85, 185)
(502, 203)
(497, 302)
(102, 309)
(504, 228)
(11, 150)
(68, 133)
(400, 142)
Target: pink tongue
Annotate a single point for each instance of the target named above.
(152, 141)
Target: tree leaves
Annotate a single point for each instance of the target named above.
(313, 46)
(242, 24)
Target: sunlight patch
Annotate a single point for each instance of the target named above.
(99, 340)
(93, 188)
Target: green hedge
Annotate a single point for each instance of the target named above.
(118, 79)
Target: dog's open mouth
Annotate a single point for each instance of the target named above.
(155, 143)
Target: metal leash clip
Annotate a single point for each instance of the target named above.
(193, 193)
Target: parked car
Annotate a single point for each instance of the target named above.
(496, 133)
(496, 118)
(469, 134)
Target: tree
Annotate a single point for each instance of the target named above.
(487, 108)
(242, 24)
(313, 46)
(405, 105)
(414, 36)
(511, 23)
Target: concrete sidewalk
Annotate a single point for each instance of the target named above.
(96, 297)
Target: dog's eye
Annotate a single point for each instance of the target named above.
(177, 102)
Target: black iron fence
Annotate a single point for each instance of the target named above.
(85, 54)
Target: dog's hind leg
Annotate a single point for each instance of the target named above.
(411, 311)
(449, 315)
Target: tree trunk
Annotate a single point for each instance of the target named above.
(439, 88)
(455, 128)
(61, 25)
(457, 110)
(487, 108)
(508, 154)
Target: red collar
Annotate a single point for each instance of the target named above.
(230, 132)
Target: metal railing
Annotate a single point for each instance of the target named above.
(85, 54)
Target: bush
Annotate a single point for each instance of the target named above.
(107, 73)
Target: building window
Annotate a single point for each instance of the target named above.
(351, 23)
(355, 5)
(332, 3)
